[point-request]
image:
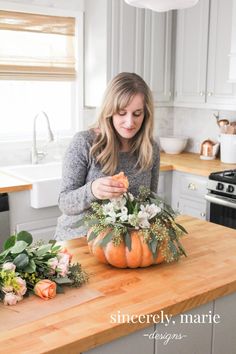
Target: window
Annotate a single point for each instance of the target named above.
(38, 64)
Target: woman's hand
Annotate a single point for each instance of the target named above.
(107, 188)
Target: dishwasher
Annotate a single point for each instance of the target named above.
(4, 219)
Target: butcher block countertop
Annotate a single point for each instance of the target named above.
(206, 274)
(12, 184)
(191, 163)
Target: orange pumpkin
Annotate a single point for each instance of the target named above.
(120, 256)
(121, 177)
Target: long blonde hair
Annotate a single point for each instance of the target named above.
(120, 91)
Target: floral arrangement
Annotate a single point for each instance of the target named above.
(41, 269)
(147, 213)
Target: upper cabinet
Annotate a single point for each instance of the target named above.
(119, 37)
(202, 56)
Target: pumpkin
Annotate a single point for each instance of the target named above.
(120, 256)
(121, 177)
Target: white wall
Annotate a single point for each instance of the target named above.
(77, 5)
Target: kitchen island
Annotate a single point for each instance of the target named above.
(203, 281)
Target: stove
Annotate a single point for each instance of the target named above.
(221, 198)
(223, 183)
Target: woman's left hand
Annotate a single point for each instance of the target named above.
(107, 188)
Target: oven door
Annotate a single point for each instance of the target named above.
(221, 210)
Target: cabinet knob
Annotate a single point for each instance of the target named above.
(202, 214)
(192, 186)
(201, 93)
(209, 93)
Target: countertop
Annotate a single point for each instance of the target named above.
(12, 184)
(206, 274)
(184, 162)
(191, 163)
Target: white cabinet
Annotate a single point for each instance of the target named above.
(191, 53)
(41, 223)
(119, 37)
(188, 194)
(138, 343)
(202, 56)
(164, 186)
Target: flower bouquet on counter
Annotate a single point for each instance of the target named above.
(41, 269)
(134, 231)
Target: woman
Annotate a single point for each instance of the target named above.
(121, 141)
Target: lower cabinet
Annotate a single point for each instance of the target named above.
(41, 223)
(137, 343)
(188, 194)
(207, 329)
(164, 186)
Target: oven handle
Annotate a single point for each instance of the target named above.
(220, 200)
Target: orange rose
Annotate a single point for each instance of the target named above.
(121, 177)
(46, 289)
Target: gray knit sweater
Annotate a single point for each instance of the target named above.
(78, 173)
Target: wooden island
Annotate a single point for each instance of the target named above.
(196, 295)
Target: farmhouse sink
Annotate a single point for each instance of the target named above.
(45, 180)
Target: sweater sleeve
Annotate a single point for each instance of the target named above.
(76, 195)
(155, 167)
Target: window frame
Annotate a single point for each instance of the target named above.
(77, 122)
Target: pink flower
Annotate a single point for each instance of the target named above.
(7, 288)
(10, 299)
(62, 269)
(63, 258)
(9, 266)
(22, 286)
(52, 263)
(65, 251)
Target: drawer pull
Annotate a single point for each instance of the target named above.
(192, 186)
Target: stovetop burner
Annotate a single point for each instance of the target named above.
(228, 176)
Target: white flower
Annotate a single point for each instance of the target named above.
(111, 218)
(118, 203)
(108, 208)
(151, 210)
(9, 266)
(143, 219)
(131, 197)
(123, 215)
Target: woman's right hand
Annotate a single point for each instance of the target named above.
(107, 188)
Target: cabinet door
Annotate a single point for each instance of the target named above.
(191, 53)
(140, 42)
(120, 37)
(138, 343)
(157, 54)
(165, 186)
(193, 208)
(40, 229)
(219, 90)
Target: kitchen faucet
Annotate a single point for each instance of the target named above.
(37, 156)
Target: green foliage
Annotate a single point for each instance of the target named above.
(157, 229)
(34, 262)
